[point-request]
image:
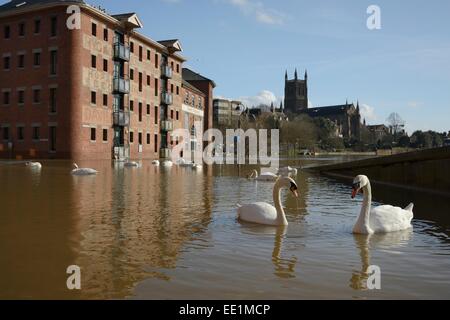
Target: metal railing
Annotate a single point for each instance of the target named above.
(121, 118)
(166, 98)
(166, 125)
(166, 71)
(121, 51)
(121, 84)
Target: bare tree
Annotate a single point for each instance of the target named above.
(396, 123)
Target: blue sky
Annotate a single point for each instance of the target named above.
(246, 46)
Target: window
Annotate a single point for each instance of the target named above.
(177, 115)
(171, 88)
(105, 34)
(93, 61)
(149, 55)
(54, 26)
(148, 80)
(140, 53)
(105, 135)
(131, 105)
(132, 47)
(156, 61)
(148, 138)
(171, 65)
(21, 29)
(7, 32)
(148, 109)
(105, 65)
(36, 95)
(21, 61)
(52, 100)
(178, 90)
(156, 87)
(140, 137)
(140, 81)
(6, 97)
(94, 29)
(131, 136)
(6, 63)
(93, 134)
(156, 115)
(5, 133)
(156, 143)
(53, 62)
(131, 74)
(37, 59)
(140, 111)
(171, 114)
(36, 133)
(105, 100)
(52, 138)
(20, 135)
(21, 97)
(93, 97)
(37, 26)
(178, 68)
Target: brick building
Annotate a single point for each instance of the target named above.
(100, 91)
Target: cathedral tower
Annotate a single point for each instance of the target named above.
(295, 93)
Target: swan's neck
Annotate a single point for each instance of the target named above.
(281, 217)
(364, 216)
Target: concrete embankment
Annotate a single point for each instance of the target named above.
(423, 170)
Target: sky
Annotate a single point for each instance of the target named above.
(246, 46)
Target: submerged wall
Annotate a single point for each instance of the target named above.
(424, 170)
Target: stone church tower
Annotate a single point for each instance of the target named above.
(295, 94)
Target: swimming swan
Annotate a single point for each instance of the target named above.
(264, 213)
(83, 171)
(265, 176)
(155, 162)
(34, 165)
(287, 171)
(381, 219)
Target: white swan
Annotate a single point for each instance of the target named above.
(155, 162)
(167, 163)
(34, 165)
(381, 219)
(196, 166)
(132, 164)
(265, 176)
(83, 171)
(287, 171)
(264, 213)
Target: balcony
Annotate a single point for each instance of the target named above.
(166, 98)
(166, 71)
(166, 125)
(164, 153)
(121, 84)
(121, 119)
(121, 51)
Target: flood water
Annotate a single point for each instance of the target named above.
(156, 233)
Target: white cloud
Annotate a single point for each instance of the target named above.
(368, 113)
(265, 97)
(414, 104)
(259, 12)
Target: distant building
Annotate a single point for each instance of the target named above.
(378, 131)
(295, 93)
(226, 112)
(347, 117)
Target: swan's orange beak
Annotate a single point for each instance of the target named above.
(354, 193)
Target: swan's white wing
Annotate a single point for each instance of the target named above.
(259, 212)
(388, 218)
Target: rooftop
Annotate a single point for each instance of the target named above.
(190, 75)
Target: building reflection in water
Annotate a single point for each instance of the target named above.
(135, 221)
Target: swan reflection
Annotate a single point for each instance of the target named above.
(366, 243)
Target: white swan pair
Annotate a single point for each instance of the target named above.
(83, 171)
(382, 219)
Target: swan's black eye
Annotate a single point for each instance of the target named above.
(293, 186)
(356, 185)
